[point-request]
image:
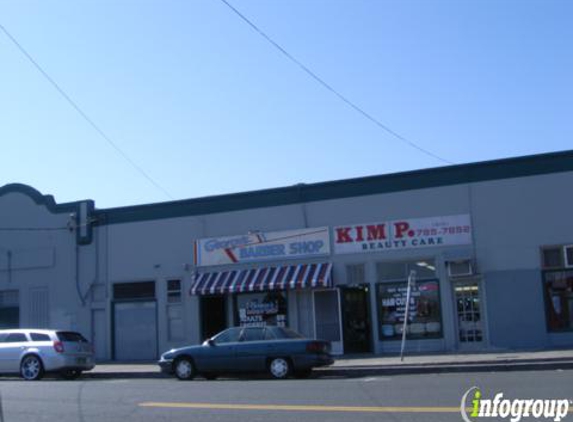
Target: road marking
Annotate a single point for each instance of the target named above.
(305, 408)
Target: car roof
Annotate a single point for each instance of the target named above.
(29, 330)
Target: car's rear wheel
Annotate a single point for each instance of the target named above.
(184, 369)
(279, 368)
(71, 374)
(31, 368)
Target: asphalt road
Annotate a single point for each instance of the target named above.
(397, 398)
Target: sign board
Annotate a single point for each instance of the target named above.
(256, 247)
(403, 234)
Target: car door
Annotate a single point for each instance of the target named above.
(3, 353)
(11, 347)
(252, 350)
(218, 355)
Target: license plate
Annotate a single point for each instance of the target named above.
(81, 361)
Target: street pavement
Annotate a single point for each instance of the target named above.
(408, 398)
(365, 365)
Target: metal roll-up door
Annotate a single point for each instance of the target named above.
(135, 321)
(135, 331)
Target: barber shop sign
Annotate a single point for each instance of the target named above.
(403, 234)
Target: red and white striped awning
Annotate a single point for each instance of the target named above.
(284, 277)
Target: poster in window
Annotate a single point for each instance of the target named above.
(261, 309)
(424, 315)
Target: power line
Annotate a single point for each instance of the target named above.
(331, 89)
(84, 115)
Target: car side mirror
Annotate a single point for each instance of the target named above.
(211, 342)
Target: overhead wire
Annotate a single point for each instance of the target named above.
(330, 88)
(90, 121)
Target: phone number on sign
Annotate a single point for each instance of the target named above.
(443, 230)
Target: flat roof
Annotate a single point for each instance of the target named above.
(507, 168)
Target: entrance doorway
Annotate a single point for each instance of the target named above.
(468, 308)
(327, 324)
(356, 319)
(213, 315)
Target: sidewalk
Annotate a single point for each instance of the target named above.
(365, 365)
(454, 362)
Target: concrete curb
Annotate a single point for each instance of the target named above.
(387, 370)
(355, 372)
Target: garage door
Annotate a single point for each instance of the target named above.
(135, 330)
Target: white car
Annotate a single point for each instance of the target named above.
(34, 352)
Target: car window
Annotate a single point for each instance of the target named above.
(15, 338)
(71, 336)
(252, 334)
(284, 333)
(269, 335)
(228, 336)
(39, 337)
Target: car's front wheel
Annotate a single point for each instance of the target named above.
(31, 368)
(279, 368)
(184, 369)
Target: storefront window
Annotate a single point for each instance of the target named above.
(558, 287)
(424, 313)
(260, 309)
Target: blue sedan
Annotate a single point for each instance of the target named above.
(279, 351)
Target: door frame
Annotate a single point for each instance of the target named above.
(484, 343)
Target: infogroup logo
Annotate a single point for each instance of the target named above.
(514, 409)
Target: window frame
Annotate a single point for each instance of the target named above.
(174, 293)
(563, 262)
(350, 279)
(409, 336)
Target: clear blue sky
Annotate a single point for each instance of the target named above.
(206, 106)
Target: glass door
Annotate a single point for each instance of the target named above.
(356, 319)
(469, 314)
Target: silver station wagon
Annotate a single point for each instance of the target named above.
(33, 353)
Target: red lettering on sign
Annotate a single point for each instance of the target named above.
(359, 233)
(377, 232)
(400, 228)
(343, 235)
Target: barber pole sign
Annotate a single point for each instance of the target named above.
(403, 234)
